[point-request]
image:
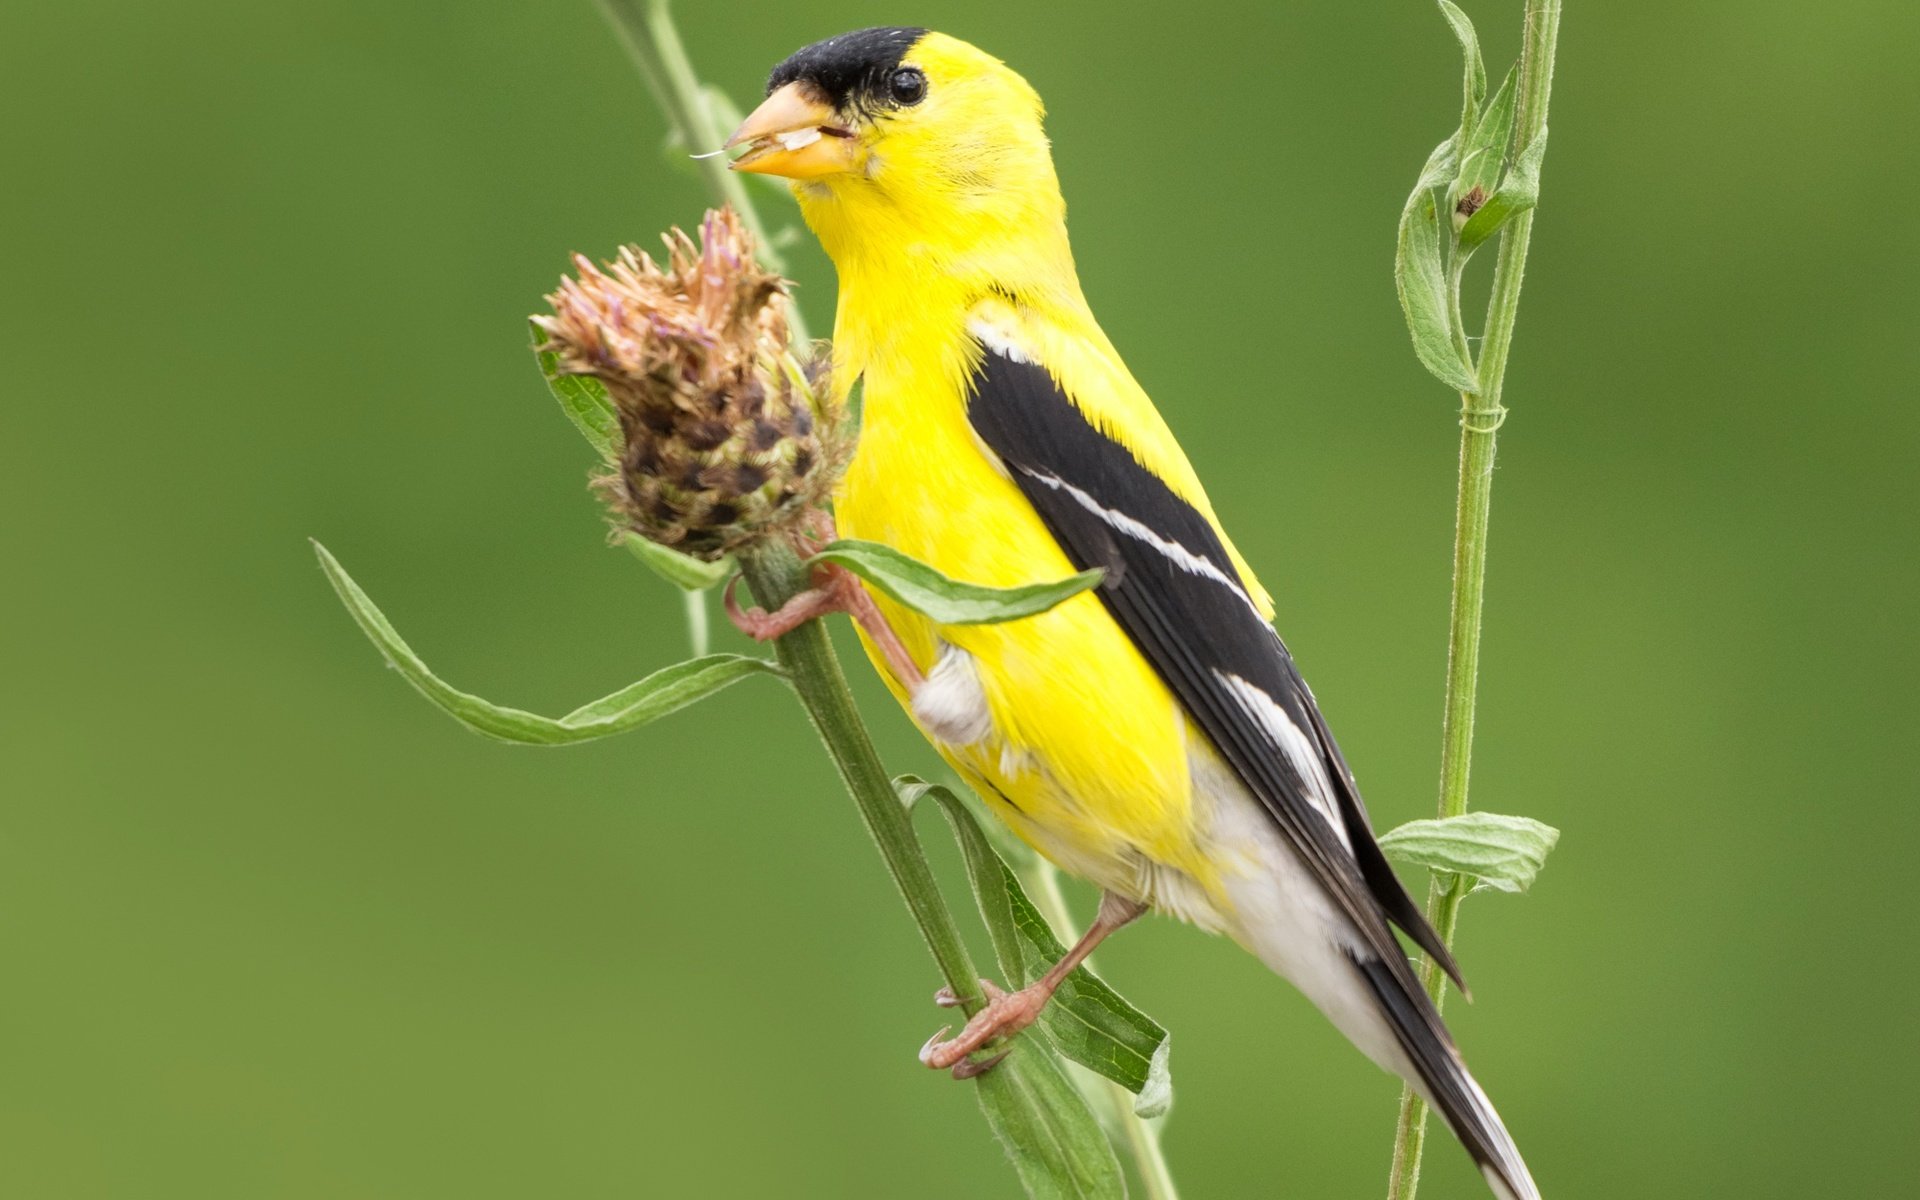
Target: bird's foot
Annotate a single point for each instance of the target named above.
(835, 589)
(828, 595)
(1006, 1014)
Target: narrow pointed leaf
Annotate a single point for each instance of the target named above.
(726, 115)
(665, 691)
(1051, 1137)
(1517, 193)
(950, 602)
(582, 398)
(678, 157)
(1474, 86)
(1484, 153)
(1498, 851)
(1420, 276)
(681, 570)
(1088, 1021)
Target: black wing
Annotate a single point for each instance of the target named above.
(1172, 586)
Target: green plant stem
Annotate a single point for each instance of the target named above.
(647, 29)
(1141, 1137)
(1143, 1143)
(1481, 413)
(697, 634)
(776, 575)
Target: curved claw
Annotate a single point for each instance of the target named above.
(933, 1043)
(988, 988)
(1006, 1013)
(967, 1068)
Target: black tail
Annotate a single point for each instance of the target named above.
(1444, 1079)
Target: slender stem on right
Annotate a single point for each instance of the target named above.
(1480, 416)
(1143, 1143)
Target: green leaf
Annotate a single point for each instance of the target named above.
(928, 592)
(1420, 275)
(582, 397)
(1087, 1020)
(665, 691)
(681, 570)
(1486, 150)
(1050, 1135)
(1474, 85)
(678, 157)
(1498, 851)
(1041, 1119)
(1517, 193)
(725, 113)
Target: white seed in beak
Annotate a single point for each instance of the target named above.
(799, 138)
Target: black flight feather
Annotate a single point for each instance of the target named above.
(1416, 1026)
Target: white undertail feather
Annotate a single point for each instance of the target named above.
(1282, 915)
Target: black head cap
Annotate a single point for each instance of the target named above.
(853, 66)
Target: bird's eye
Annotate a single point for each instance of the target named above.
(908, 86)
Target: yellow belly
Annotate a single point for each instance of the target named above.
(1087, 758)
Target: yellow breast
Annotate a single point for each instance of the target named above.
(1086, 756)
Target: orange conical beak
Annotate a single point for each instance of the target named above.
(795, 135)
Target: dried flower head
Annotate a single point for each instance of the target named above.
(723, 439)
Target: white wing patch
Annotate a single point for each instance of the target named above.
(998, 340)
(1180, 556)
(1302, 751)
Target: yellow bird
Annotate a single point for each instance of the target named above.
(1152, 736)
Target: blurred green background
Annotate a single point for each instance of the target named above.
(274, 928)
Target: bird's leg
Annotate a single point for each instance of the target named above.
(1007, 1013)
(835, 589)
(819, 532)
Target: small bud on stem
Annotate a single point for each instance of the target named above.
(724, 441)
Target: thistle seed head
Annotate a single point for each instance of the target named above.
(723, 439)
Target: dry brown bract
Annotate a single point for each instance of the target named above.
(723, 443)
